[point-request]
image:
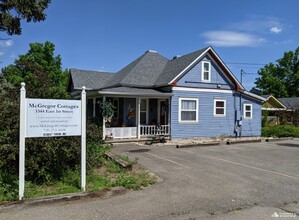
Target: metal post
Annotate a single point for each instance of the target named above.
(83, 139)
(22, 141)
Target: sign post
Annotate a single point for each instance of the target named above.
(51, 118)
(22, 141)
(83, 139)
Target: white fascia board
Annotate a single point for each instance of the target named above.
(188, 89)
(254, 96)
(191, 64)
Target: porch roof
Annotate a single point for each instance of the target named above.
(133, 92)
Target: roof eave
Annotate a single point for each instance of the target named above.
(127, 94)
(254, 96)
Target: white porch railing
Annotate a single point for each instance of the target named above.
(122, 132)
(131, 132)
(146, 130)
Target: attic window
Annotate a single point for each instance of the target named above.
(206, 71)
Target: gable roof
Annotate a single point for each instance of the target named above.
(150, 70)
(290, 103)
(272, 102)
(88, 78)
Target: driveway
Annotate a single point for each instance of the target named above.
(241, 181)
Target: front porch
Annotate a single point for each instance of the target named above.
(139, 118)
(134, 117)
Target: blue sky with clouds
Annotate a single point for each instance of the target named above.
(109, 34)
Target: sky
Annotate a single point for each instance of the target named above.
(107, 35)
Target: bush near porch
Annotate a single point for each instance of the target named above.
(280, 131)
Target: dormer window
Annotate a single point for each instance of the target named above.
(206, 71)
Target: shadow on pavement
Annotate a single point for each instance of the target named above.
(139, 151)
(288, 145)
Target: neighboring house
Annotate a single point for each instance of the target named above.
(292, 105)
(273, 111)
(194, 95)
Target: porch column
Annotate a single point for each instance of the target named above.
(138, 116)
(94, 107)
(104, 126)
(169, 115)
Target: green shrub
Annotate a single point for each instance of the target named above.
(95, 155)
(8, 187)
(280, 131)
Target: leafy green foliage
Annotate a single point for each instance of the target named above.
(95, 155)
(280, 131)
(12, 12)
(281, 79)
(8, 187)
(107, 109)
(39, 66)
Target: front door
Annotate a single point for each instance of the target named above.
(163, 112)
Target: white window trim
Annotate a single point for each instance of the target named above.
(202, 71)
(188, 99)
(244, 110)
(220, 100)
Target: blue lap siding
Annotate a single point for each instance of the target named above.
(209, 125)
(194, 77)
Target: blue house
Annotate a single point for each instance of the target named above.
(194, 95)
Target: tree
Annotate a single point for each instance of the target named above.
(13, 11)
(39, 65)
(281, 79)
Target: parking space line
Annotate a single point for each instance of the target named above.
(253, 167)
(171, 161)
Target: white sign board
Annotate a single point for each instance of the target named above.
(53, 118)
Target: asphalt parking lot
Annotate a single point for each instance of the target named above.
(240, 181)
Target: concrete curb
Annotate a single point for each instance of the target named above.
(243, 141)
(101, 194)
(197, 144)
(278, 139)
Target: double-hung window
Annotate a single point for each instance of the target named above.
(143, 111)
(188, 110)
(206, 71)
(219, 107)
(247, 108)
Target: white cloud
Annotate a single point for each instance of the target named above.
(232, 39)
(276, 30)
(6, 43)
(258, 24)
(1, 53)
